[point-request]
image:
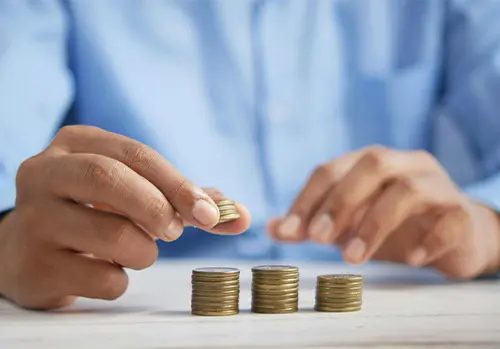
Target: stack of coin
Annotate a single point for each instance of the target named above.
(215, 291)
(227, 210)
(339, 293)
(275, 289)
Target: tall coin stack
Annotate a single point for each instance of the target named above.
(215, 291)
(339, 293)
(275, 289)
(227, 211)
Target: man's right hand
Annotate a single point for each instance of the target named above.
(89, 205)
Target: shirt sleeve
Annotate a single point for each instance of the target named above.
(472, 89)
(35, 85)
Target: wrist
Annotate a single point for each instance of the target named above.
(5, 218)
(490, 226)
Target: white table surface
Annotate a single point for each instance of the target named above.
(403, 308)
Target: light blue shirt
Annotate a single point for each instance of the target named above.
(251, 95)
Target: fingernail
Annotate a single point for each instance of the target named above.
(355, 250)
(174, 230)
(321, 228)
(205, 213)
(288, 228)
(417, 257)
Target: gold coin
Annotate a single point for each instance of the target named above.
(274, 268)
(323, 302)
(217, 290)
(275, 291)
(339, 294)
(228, 218)
(337, 309)
(275, 295)
(214, 313)
(271, 297)
(215, 277)
(225, 202)
(338, 300)
(329, 288)
(274, 311)
(227, 210)
(209, 301)
(216, 271)
(276, 285)
(224, 284)
(274, 280)
(215, 282)
(265, 299)
(275, 305)
(215, 307)
(340, 278)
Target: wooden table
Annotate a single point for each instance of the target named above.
(403, 308)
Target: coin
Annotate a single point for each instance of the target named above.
(215, 291)
(275, 289)
(214, 313)
(336, 309)
(274, 311)
(275, 268)
(217, 270)
(225, 202)
(229, 218)
(337, 303)
(339, 293)
(227, 209)
(340, 278)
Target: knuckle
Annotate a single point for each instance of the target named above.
(179, 186)
(122, 235)
(140, 157)
(149, 255)
(158, 208)
(438, 240)
(374, 225)
(375, 158)
(66, 132)
(99, 174)
(26, 170)
(425, 157)
(324, 172)
(341, 201)
(114, 283)
(407, 185)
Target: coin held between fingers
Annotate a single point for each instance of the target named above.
(228, 211)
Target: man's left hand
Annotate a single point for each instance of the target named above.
(394, 205)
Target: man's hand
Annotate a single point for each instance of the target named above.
(90, 205)
(393, 205)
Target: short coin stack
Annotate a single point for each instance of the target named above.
(227, 210)
(215, 291)
(275, 289)
(339, 293)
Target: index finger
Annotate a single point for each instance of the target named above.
(190, 201)
(293, 226)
